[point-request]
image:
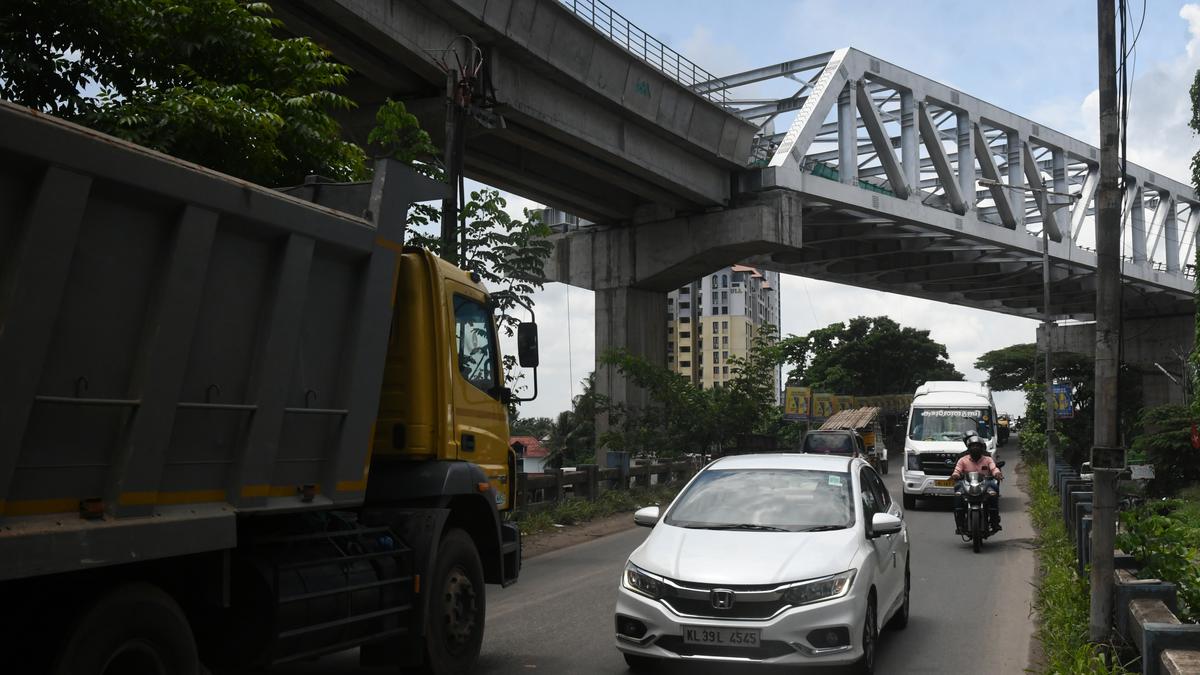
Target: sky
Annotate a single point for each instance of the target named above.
(1037, 59)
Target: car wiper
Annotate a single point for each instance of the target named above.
(824, 528)
(748, 526)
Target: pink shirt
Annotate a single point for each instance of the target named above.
(985, 465)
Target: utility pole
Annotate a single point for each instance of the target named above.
(1047, 327)
(453, 160)
(1107, 457)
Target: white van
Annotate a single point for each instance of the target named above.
(942, 414)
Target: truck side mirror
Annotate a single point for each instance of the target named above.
(527, 344)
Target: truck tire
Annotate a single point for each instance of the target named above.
(136, 629)
(457, 607)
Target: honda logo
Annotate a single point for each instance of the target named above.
(722, 598)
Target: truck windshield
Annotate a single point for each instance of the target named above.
(949, 424)
(830, 444)
(793, 500)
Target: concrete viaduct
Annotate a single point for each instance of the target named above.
(859, 172)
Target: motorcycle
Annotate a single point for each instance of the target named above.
(976, 490)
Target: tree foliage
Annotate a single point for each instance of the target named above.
(866, 356)
(1011, 368)
(685, 418)
(208, 81)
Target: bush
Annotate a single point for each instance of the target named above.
(1163, 542)
(1166, 443)
(1062, 596)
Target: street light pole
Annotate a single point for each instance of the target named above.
(1047, 320)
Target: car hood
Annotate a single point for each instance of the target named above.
(745, 558)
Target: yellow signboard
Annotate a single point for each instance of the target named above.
(795, 401)
(824, 405)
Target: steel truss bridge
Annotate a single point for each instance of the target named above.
(914, 187)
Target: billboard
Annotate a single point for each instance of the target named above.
(1064, 403)
(795, 402)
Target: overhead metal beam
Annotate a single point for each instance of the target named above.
(987, 166)
(933, 145)
(883, 144)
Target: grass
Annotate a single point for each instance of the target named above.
(575, 511)
(1062, 596)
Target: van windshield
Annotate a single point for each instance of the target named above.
(949, 424)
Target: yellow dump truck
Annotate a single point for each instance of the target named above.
(238, 427)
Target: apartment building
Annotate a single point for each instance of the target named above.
(714, 319)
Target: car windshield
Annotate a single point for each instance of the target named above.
(792, 500)
(949, 424)
(834, 444)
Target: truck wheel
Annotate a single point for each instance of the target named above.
(456, 608)
(910, 502)
(136, 629)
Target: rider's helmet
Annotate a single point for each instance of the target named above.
(975, 446)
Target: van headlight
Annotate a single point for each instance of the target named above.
(913, 461)
(817, 590)
(640, 581)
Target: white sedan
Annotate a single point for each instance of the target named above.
(780, 559)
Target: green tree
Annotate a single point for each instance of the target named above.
(507, 253)
(867, 356)
(573, 438)
(538, 427)
(209, 81)
(1011, 368)
(685, 418)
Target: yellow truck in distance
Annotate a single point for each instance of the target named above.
(238, 427)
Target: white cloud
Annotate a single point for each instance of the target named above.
(1160, 108)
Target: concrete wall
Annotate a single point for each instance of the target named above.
(1145, 342)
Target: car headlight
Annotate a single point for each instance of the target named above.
(826, 588)
(638, 580)
(914, 461)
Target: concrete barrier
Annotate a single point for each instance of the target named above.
(537, 492)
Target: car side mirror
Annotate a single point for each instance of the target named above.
(646, 517)
(883, 524)
(527, 344)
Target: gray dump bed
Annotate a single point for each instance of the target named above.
(177, 345)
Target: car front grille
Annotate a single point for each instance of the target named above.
(748, 602)
(768, 649)
(939, 463)
(745, 610)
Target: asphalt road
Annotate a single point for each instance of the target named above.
(970, 612)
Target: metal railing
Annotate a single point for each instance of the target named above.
(646, 47)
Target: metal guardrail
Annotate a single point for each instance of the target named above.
(542, 491)
(646, 47)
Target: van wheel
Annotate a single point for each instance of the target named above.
(135, 629)
(910, 502)
(456, 608)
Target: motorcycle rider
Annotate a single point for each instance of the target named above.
(975, 460)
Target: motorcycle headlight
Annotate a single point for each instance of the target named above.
(817, 590)
(974, 490)
(640, 581)
(913, 460)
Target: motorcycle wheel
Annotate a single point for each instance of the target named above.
(976, 530)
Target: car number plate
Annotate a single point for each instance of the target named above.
(944, 483)
(726, 637)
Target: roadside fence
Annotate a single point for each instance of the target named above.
(588, 481)
(1144, 609)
